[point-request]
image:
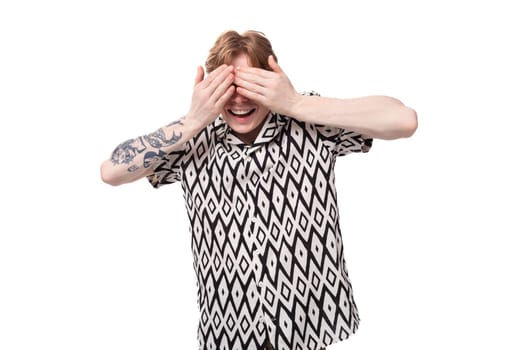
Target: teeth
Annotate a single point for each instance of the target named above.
(241, 112)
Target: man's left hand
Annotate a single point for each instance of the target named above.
(272, 89)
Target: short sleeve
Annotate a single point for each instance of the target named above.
(168, 171)
(350, 142)
(342, 141)
(173, 165)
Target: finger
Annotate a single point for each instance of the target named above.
(213, 75)
(254, 77)
(223, 99)
(256, 72)
(222, 87)
(225, 74)
(250, 86)
(200, 75)
(273, 64)
(254, 96)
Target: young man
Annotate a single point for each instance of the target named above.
(256, 163)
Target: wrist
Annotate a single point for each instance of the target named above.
(191, 124)
(297, 106)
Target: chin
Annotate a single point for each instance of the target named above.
(246, 121)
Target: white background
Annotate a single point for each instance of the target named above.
(432, 224)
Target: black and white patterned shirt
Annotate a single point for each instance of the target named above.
(267, 247)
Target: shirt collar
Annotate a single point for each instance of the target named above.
(271, 128)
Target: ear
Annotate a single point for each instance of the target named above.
(273, 65)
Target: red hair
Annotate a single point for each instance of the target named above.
(230, 44)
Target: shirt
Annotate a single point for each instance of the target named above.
(266, 242)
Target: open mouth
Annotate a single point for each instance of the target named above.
(242, 113)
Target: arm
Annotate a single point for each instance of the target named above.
(380, 117)
(137, 158)
(375, 116)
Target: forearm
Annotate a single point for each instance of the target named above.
(380, 117)
(136, 158)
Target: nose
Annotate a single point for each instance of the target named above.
(238, 98)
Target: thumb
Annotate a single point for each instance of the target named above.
(273, 65)
(200, 75)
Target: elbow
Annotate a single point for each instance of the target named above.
(402, 124)
(408, 122)
(107, 176)
(405, 120)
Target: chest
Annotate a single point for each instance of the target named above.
(264, 180)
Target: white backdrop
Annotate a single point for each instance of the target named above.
(432, 224)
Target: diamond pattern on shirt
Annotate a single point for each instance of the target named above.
(267, 247)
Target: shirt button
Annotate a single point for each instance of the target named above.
(260, 284)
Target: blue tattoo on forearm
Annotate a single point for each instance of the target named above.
(127, 151)
(158, 139)
(177, 122)
(152, 157)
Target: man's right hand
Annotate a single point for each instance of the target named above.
(210, 94)
(135, 158)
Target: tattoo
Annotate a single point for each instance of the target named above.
(152, 157)
(127, 151)
(177, 122)
(133, 168)
(158, 139)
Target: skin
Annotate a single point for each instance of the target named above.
(238, 88)
(245, 126)
(136, 158)
(272, 89)
(379, 117)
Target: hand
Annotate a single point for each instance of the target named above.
(210, 94)
(272, 89)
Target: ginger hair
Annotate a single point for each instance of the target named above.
(230, 44)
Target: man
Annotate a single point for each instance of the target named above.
(256, 163)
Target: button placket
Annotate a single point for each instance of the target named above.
(246, 154)
(257, 252)
(252, 227)
(257, 235)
